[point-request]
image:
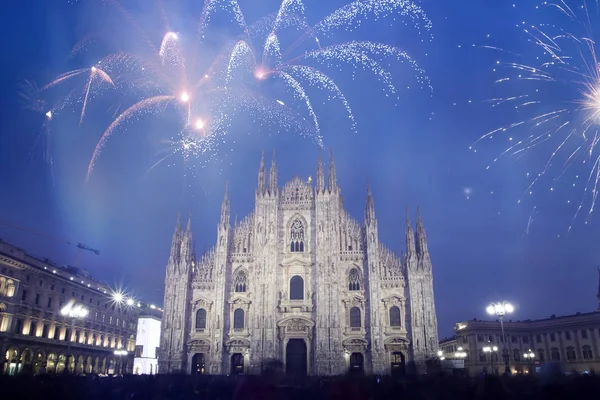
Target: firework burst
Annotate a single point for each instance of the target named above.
(209, 87)
(554, 91)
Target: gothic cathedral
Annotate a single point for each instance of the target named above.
(301, 281)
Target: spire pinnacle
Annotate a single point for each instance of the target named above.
(320, 174)
(332, 176)
(410, 238)
(189, 224)
(370, 206)
(262, 184)
(421, 238)
(225, 207)
(273, 176)
(598, 295)
(178, 222)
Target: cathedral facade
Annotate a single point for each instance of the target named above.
(301, 281)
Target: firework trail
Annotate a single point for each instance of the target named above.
(556, 99)
(210, 86)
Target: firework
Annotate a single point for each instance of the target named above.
(208, 87)
(556, 100)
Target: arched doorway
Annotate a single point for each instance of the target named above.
(197, 364)
(12, 366)
(295, 357)
(357, 363)
(237, 364)
(398, 364)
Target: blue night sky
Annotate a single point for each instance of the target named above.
(414, 149)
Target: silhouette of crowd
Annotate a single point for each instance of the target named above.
(273, 385)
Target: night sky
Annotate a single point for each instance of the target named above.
(414, 149)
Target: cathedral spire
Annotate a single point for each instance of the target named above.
(320, 174)
(370, 206)
(421, 242)
(189, 224)
(262, 184)
(225, 208)
(332, 177)
(273, 176)
(410, 238)
(598, 295)
(175, 245)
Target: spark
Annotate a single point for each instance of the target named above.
(199, 124)
(177, 78)
(565, 127)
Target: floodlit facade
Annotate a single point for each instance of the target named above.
(571, 341)
(58, 320)
(302, 281)
(147, 342)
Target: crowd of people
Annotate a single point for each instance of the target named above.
(273, 385)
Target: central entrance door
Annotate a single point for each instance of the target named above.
(237, 364)
(357, 362)
(295, 357)
(398, 364)
(198, 364)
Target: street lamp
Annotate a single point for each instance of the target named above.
(529, 357)
(460, 353)
(491, 349)
(73, 311)
(499, 310)
(120, 353)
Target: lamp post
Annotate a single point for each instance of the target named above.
(499, 310)
(120, 353)
(529, 357)
(491, 350)
(73, 311)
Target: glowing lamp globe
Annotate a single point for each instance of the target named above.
(508, 308)
(118, 297)
(129, 302)
(491, 309)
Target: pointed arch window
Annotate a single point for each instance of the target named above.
(355, 317)
(238, 319)
(353, 280)
(297, 237)
(395, 317)
(296, 288)
(201, 319)
(240, 281)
